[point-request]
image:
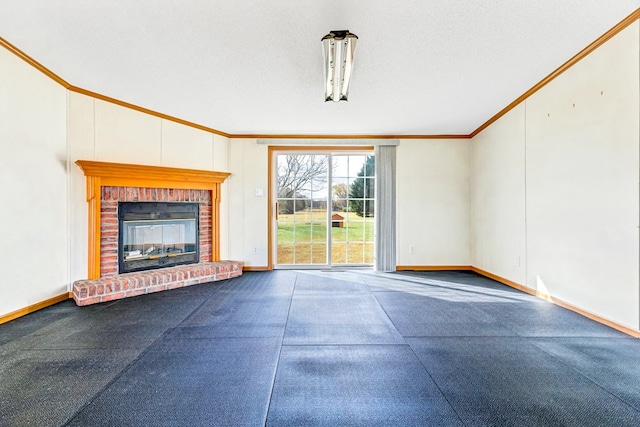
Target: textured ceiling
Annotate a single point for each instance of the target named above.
(422, 67)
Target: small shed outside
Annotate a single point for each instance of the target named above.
(337, 220)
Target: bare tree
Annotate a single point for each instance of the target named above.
(340, 193)
(296, 172)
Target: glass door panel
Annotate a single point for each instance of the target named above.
(353, 184)
(325, 215)
(302, 209)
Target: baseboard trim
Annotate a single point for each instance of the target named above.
(250, 268)
(629, 331)
(34, 307)
(433, 267)
(625, 329)
(504, 281)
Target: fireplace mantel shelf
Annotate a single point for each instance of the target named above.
(127, 175)
(103, 174)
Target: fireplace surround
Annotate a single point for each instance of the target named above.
(110, 183)
(112, 198)
(109, 187)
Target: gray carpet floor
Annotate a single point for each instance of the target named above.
(298, 348)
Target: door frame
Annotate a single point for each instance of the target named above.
(275, 149)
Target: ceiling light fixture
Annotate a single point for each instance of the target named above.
(338, 48)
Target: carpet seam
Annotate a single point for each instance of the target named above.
(133, 362)
(275, 373)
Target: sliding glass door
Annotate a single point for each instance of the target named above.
(301, 209)
(324, 209)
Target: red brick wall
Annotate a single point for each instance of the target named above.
(109, 218)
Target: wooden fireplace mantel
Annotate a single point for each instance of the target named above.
(99, 174)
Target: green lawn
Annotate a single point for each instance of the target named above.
(302, 239)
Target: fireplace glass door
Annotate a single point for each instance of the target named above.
(154, 235)
(154, 239)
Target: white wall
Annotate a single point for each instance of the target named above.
(582, 183)
(43, 130)
(248, 213)
(579, 136)
(107, 132)
(498, 198)
(433, 202)
(221, 164)
(33, 186)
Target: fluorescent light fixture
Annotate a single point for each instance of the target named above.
(338, 48)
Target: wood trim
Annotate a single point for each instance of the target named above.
(35, 64)
(35, 307)
(215, 222)
(100, 174)
(629, 331)
(271, 209)
(161, 175)
(625, 329)
(321, 148)
(94, 199)
(252, 268)
(20, 54)
(349, 136)
(633, 17)
(44, 70)
(145, 110)
(502, 280)
(433, 267)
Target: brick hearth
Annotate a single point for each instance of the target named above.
(119, 286)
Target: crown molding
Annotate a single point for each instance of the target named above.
(35, 64)
(633, 17)
(145, 110)
(346, 136)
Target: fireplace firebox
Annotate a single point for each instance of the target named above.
(157, 235)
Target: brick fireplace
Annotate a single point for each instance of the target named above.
(111, 183)
(110, 196)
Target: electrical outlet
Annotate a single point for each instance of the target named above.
(255, 250)
(412, 249)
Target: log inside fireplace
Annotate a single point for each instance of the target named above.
(157, 234)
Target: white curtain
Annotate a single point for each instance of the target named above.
(385, 208)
